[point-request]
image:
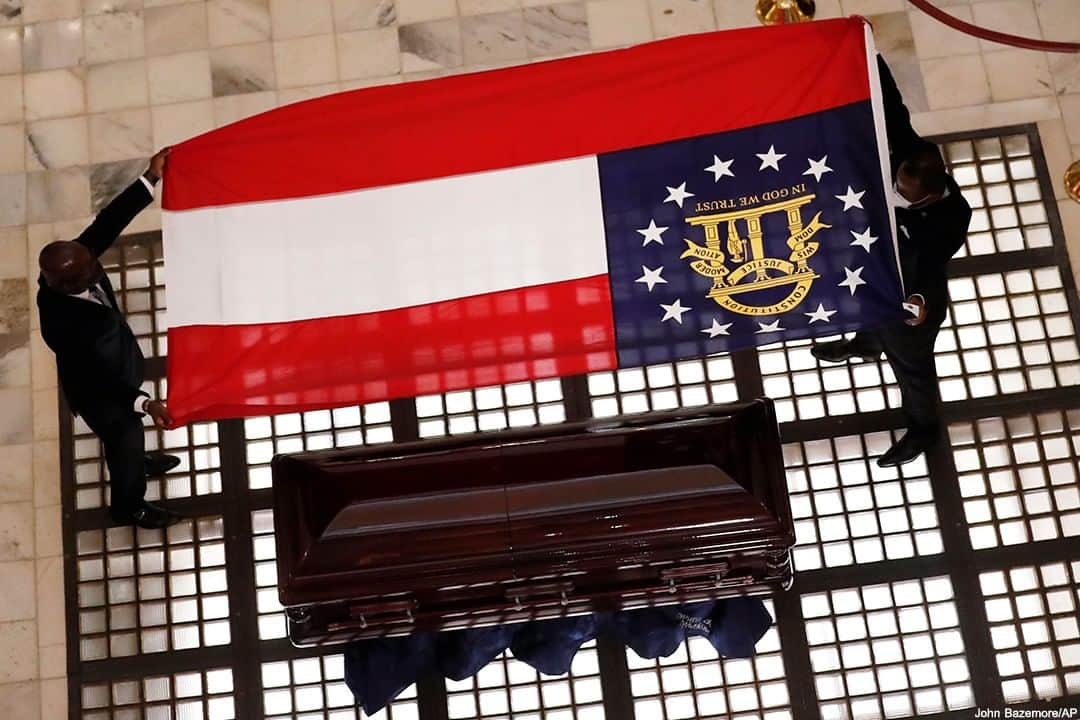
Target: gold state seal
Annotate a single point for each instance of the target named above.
(752, 269)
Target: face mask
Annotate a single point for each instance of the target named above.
(902, 202)
(899, 200)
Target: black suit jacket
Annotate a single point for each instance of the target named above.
(99, 360)
(928, 238)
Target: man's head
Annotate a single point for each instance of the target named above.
(921, 177)
(68, 267)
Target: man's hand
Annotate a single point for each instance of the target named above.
(157, 164)
(920, 303)
(159, 412)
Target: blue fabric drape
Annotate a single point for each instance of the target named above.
(378, 670)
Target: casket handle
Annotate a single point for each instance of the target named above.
(720, 569)
(363, 612)
(718, 572)
(560, 588)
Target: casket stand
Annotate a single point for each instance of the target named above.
(494, 528)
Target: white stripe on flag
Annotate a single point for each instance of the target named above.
(385, 248)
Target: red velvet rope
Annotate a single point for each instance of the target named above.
(992, 35)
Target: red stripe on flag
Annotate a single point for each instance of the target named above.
(524, 334)
(660, 91)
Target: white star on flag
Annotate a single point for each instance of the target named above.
(677, 194)
(851, 199)
(820, 314)
(651, 277)
(852, 279)
(717, 328)
(818, 168)
(770, 159)
(674, 311)
(774, 326)
(720, 168)
(863, 239)
(652, 233)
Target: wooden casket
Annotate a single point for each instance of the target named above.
(525, 524)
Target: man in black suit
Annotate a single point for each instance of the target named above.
(932, 220)
(99, 360)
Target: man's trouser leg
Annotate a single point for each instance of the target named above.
(125, 446)
(866, 342)
(910, 351)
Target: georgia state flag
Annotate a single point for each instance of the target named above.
(675, 199)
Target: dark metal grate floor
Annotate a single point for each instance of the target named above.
(950, 584)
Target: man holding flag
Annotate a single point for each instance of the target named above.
(98, 357)
(932, 217)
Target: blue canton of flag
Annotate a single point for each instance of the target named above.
(770, 233)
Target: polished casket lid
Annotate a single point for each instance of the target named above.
(574, 506)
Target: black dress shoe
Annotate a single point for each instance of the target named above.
(158, 463)
(839, 351)
(152, 517)
(913, 444)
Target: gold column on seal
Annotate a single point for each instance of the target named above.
(757, 244)
(795, 226)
